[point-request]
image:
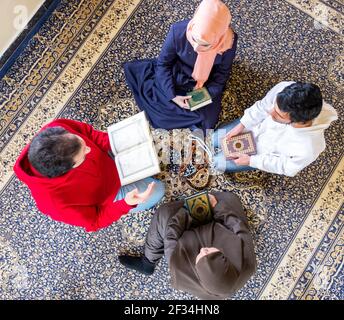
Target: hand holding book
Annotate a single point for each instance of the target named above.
(182, 101)
(235, 131)
(199, 207)
(199, 98)
(238, 145)
(194, 99)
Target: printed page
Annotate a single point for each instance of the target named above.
(128, 136)
(138, 163)
(128, 133)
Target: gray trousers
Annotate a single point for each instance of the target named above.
(156, 244)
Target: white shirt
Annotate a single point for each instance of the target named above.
(281, 148)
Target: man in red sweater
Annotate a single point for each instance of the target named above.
(73, 179)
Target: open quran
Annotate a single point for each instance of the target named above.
(133, 147)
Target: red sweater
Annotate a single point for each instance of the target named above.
(84, 195)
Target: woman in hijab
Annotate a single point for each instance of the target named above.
(210, 261)
(197, 53)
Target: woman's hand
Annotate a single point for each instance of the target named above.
(235, 131)
(181, 101)
(133, 197)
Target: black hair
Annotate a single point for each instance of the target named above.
(303, 101)
(51, 151)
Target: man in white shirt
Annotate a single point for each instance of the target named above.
(288, 126)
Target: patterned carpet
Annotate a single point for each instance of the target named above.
(73, 68)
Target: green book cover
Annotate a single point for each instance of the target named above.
(200, 98)
(199, 208)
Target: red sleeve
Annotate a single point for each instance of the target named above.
(92, 218)
(100, 138)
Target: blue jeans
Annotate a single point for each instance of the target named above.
(220, 162)
(141, 185)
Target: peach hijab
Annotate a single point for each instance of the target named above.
(211, 24)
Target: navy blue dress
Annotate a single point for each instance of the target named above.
(155, 82)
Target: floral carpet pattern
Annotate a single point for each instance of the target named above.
(72, 68)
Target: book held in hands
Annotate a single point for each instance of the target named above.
(199, 98)
(199, 207)
(243, 143)
(133, 147)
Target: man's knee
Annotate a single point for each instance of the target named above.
(220, 162)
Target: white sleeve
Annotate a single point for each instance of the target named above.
(261, 109)
(280, 164)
